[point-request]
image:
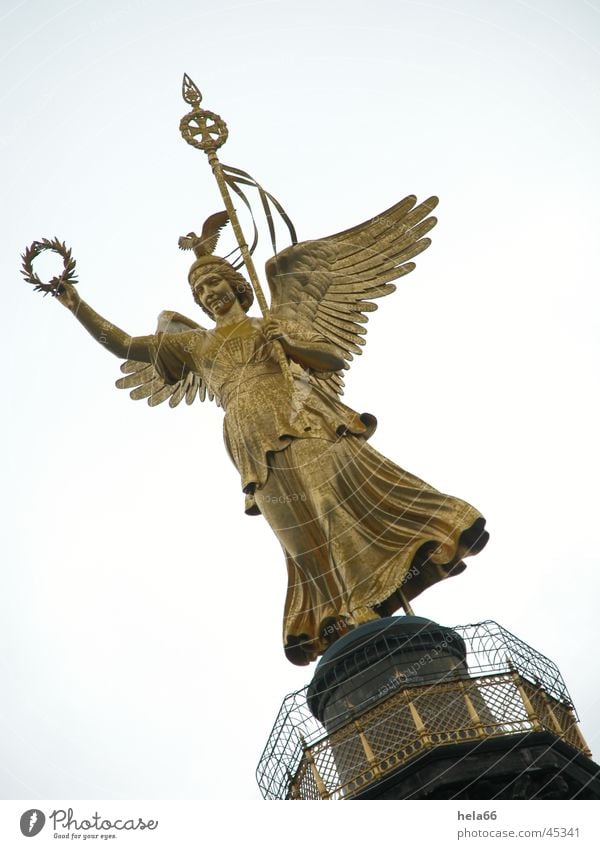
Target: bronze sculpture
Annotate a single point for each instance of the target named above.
(361, 536)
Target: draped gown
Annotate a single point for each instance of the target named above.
(354, 527)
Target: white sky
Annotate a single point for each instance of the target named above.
(140, 613)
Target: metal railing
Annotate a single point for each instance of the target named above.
(419, 718)
(506, 688)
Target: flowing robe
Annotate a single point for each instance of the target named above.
(354, 527)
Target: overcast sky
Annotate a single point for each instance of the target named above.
(140, 613)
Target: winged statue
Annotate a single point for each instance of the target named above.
(361, 536)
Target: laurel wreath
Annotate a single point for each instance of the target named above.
(53, 286)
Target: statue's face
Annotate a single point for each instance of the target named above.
(214, 293)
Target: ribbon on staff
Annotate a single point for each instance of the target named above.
(234, 177)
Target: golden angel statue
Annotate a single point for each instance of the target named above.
(361, 536)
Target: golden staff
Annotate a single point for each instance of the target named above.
(208, 131)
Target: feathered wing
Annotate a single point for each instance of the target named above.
(145, 381)
(328, 284)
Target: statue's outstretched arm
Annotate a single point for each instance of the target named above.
(141, 348)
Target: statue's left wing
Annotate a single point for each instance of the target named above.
(329, 284)
(150, 381)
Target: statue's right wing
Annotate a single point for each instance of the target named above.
(148, 380)
(330, 284)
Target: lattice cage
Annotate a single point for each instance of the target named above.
(510, 689)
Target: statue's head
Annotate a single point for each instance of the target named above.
(215, 283)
